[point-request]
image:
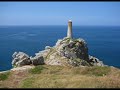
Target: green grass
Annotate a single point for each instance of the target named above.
(28, 83)
(53, 76)
(4, 76)
(89, 71)
(76, 77)
(37, 69)
(97, 71)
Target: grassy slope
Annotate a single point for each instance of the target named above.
(47, 76)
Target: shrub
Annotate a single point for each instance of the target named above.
(37, 69)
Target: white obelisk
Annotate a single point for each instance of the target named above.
(69, 32)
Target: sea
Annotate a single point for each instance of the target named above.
(103, 41)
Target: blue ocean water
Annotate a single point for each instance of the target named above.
(103, 41)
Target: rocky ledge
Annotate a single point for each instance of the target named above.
(67, 51)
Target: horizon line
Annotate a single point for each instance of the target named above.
(59, 25)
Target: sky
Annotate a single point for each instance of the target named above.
(58, 13)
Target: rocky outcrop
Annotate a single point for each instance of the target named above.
(74, 52)
(95, 61)
(73, 48)
(20, 59)
(37, 60)
(67, 51)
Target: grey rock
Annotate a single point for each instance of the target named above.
(74, 49)
(24, 62)
(58, 42)
(70, 50)
(14, 54)
(47, 47)
(95, 61)
(37, 60)
(14, 61)
(20, 59)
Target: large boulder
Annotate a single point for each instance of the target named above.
(95, 61)
(20, 59)
(37, 60)
(73, 48)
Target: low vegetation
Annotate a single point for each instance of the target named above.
(37, 69)
(4, 76)
(74, 77)
(97, 71)
(47, 76)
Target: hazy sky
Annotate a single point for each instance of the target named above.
(58, 13)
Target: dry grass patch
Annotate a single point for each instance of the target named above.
(73, 77)
(48, 76)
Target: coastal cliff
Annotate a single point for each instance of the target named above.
(66, 52)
